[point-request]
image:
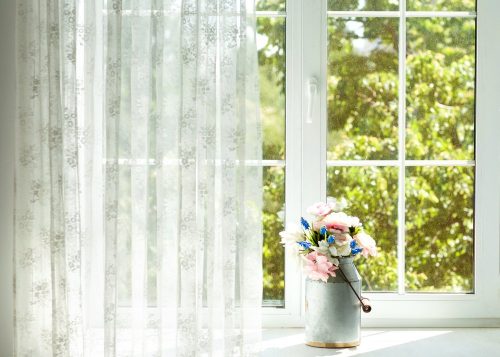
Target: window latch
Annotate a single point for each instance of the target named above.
(312, 91)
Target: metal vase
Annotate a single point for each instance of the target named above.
(333, 314)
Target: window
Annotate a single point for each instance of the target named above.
(399, 128)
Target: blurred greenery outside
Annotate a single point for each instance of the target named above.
(363, 125)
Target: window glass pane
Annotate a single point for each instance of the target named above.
(372, 195)
(273, 252)
(439, 229)
(367, 5)
(127, 219)
(441, 5)
(124, 244)
(152, 238)
(271, 46)
(362, 88)
(440, 88)
(270, 5)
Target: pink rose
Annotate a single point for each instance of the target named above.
(319, 209)
(367, 243)
(318, 267)
(337, 221)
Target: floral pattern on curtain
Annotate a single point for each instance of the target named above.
(138, 179)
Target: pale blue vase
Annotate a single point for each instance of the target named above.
(333, 313)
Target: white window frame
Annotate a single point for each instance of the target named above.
(306, 45)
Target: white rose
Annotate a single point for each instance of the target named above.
(344, 250)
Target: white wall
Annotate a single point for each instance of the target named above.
(7, 113)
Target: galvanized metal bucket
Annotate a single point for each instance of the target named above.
(333, 314)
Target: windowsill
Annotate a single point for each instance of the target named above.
(391, 342)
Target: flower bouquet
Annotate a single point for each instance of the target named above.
(330, 235)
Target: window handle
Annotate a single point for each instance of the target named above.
(312, 91)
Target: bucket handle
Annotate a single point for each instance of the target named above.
(365, 303)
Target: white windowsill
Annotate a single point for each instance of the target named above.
(391, 342)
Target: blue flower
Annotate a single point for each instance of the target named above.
(331, 240)
(323, 230)
(353, 244)
(304, 244)
(304, 223)
(356, 251)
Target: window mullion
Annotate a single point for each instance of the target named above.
(293, 168)
(487, 154)
(323, 112)
(401, 147)
(313, 116)
(305, 147)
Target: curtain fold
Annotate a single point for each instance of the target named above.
(138, 179)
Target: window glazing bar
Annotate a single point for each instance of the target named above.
(177, 162)
(361, 163)
(146, 12)
(465, 14)
(401, 147)
(270, 13)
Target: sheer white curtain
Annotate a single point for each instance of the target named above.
(138, 179)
